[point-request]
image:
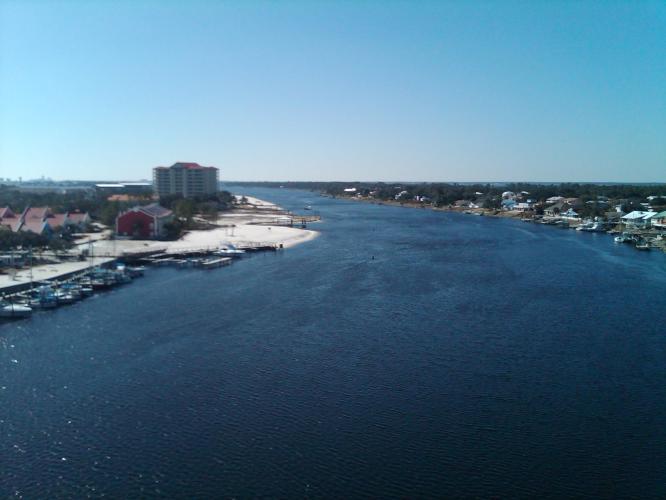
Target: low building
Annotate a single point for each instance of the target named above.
(37, 226)
(147, 222)
(131, 188)
(659, 220)
(556, 209)
(508, 203)
(79, 221)
(570, 213)
(58, 221)
(10, 220)
(524, 206)
(638, 218)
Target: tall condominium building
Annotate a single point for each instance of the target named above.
(186, 179)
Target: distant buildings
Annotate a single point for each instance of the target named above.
(185, 179)
(129, 188)
(144, 222)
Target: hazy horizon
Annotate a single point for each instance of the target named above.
(448, 92)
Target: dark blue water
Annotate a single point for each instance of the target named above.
(471, 357)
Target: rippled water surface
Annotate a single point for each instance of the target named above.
(471, 357)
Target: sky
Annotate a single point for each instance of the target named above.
(347, 90)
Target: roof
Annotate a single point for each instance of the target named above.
(638, 214)
(13, 223)
(57, 220)
(6, 212)
(34, 226)
(660, 215)
(186, 165)
(78, 216)
(559, 205)
(117, 186)
(155, 210)
(39, 213)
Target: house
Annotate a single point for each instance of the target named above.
(36, 213)
(638, 218)
(570, 213)
(10, 220)
(508, 203)
(145, 222)
(524, 206)
(36, 226)
(556, 209)
(658, 220)
(79, 221)
(465, 204)
(58, 221)
(555, 199)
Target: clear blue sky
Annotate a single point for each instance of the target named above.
(357, 90)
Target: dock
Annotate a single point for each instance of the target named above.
(47, 272)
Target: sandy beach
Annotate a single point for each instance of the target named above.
(255, 223)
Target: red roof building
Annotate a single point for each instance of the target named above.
(144, 222)
(58, 220)
(80, 220)
(10, 220)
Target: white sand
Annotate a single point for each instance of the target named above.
(239, 228)
(245, 227)
(47, 272)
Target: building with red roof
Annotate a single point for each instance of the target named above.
(33, 219)
(10, 220)
(147, 222)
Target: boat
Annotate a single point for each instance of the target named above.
(213, 263)
(11, 310)
(135, 271)
(643, 246)
(229, 251)
(43, 298)
(63, 297)
(74, 289)
(623, 238)
(307, 207)
(592, 227)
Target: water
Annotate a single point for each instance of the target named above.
(471, 357)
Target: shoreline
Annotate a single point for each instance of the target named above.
(557, 221)
(258, 223)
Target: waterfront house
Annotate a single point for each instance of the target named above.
(508, 204)
(556, 209)
(465, 204)
(638, 219)
(570, 213)
(658, 220)
(145, 222)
